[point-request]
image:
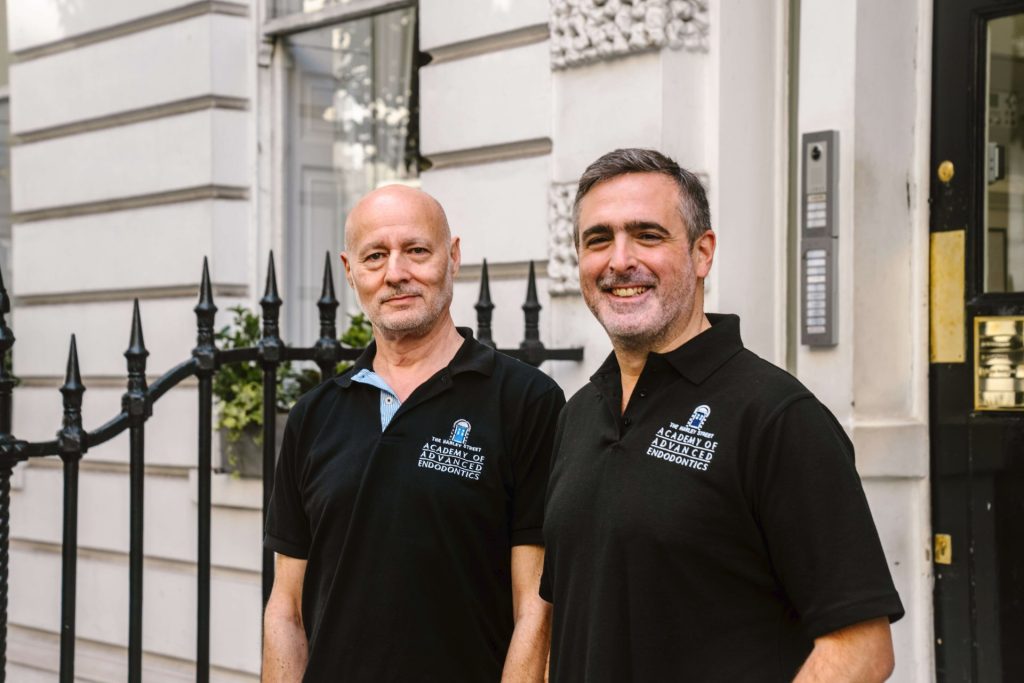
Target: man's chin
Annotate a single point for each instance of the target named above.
(413, 325)
(631, 334)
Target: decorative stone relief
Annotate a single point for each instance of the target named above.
(584, 31)
(563, 266)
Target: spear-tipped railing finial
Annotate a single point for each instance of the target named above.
(205, 351)
(270, 342)
(326, 347)
(134, 400)
(484, 308)
(6, 378)
(532, 347)
(71, 436)
(137, 344)
(328, 302)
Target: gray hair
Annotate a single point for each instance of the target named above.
(693, 201)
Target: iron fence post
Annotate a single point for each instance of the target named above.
(71, 440)
(9, 456)
(136, 404)
(270, 354)
(205, 354)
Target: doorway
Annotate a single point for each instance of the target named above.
(977, 370)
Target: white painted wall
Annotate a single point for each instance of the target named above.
(178, 235)
(33, 23)
(475, 19)
(864, 70)
(204, 55)
(500, 208)
(489, 99)
(748, 169)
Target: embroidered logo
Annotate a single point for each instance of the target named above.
(687, 445)
(699, 417)
(454, 455)
(460, 431)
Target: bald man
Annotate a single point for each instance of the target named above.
(408, 499)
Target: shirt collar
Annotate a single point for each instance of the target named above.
(698, 358)
(472, 356)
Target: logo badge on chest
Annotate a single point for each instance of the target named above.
(453, 455)
(688, 444)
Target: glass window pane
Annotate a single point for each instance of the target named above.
(352, 124)
(283, 7)
(1004, 157)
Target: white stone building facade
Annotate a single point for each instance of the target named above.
(147, 134)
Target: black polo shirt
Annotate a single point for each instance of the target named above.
(710, 532)
(408, 533)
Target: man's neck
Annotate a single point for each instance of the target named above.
(632, 359)
(405, 361)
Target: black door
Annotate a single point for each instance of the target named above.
(977, 370)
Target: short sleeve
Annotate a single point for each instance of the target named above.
(287, 529)
(817, 526)
(547, 573)
(531, 461)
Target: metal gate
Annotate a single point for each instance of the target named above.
(73, 441)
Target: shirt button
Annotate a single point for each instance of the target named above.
(626, 421)
(643, 394)
(387, 400)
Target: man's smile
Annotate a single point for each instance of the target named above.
(634, 290)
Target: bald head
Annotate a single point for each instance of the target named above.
(395, 205)
(401, 260)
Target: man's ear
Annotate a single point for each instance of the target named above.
(455, 254)
(703, 253)
(348, 269)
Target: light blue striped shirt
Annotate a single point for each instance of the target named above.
(389, 402)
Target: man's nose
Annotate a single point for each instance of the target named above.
(622, 256)
(397, 269)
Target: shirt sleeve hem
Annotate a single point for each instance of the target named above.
(279, 545)
(528, 537)
(848, 615)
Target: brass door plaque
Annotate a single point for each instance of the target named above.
(947, 297)
(999, 363)
(943, 549)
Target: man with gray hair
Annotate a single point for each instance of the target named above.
(705, 521)
(409, 494)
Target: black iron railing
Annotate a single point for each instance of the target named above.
(73, 441)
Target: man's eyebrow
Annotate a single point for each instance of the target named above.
(417, 241)
(599, 229)
(641, 226)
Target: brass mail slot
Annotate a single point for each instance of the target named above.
(999, 363)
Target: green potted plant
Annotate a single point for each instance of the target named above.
(238, 389)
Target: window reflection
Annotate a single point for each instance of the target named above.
(282, 7)
(1004, 157)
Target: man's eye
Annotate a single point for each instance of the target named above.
(375, 256)
(595, 241)
(419, 250)
(650, 236)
